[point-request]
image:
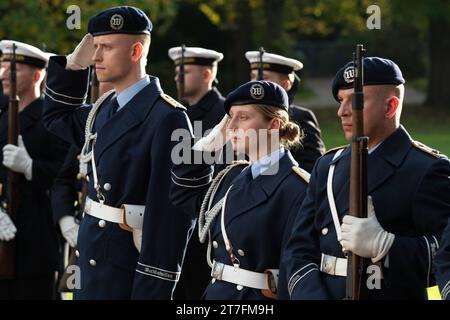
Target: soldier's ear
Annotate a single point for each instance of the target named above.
(38, 75)
(275, 124)
(392, 104)
(137, 51)
(207, 73)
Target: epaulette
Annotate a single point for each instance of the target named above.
(174, 103)
(435, 153)
(302, 173)
(335, 149)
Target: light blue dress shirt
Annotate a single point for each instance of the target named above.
(126, 95)
(262, 165)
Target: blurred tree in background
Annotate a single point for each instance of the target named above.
(321, 33)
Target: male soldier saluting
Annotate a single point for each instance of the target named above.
(409, 206)
(37, 158)
(127, 150)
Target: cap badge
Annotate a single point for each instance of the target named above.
(257, 91)
(116, 22)
(349, 74)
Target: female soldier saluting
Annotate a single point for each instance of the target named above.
(247, 209)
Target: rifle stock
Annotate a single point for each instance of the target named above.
(81, 201)
(358, 174)
(7, 249)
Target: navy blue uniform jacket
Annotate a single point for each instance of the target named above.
(258, 216)
(133, 155)
(410, 190)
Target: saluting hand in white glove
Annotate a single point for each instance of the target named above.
(365, 236)
(17, 159)
(214, 140)
(69, 229)
(81, 57)
(7, 228)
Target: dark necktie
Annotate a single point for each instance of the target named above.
(105, 113)
(113, 105)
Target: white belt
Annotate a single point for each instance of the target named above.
(246, 278)
(129, 214)
(333, 265)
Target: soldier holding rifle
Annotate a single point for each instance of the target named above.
(408, 205)
(35, 160)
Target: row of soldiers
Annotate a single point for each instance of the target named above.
(280, 235)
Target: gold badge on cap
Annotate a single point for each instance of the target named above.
(116, 22)
(349, 74)
(257, 91)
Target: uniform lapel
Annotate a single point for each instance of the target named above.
(201, 108)
(381, 165)
(132, 114)
(30, 115)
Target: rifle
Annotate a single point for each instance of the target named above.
(94, 86)
(7, 249)
(82, 194)
(358, 173)
(260, 67)
(181, 77)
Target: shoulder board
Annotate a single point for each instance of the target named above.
(171, 101)
(302, 174)
(435, 153)
(335, 149)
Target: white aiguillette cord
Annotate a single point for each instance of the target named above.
(87, 155)
(330, 195)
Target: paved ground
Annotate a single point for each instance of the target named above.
(323, 97)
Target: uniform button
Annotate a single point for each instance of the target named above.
(324, 231)
(78, 157)
(87, 178)
(213, 280)
(102, 223)
(215, 244)
(92, 262)
(77, 253)
(79, 176)
(107, 186)
(239, 287)
(241, 252)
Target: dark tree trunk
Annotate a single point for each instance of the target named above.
(438, 94)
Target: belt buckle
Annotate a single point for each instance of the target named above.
(87, 206)
(329, 264)
(217, 270)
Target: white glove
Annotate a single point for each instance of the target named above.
(137, 238)
(81, 57)
(216, 139)
(7, 228)
(69, 230)
(17, 159)
(365, 236)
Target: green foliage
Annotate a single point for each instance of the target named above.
(44, 21)
(425, 124)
